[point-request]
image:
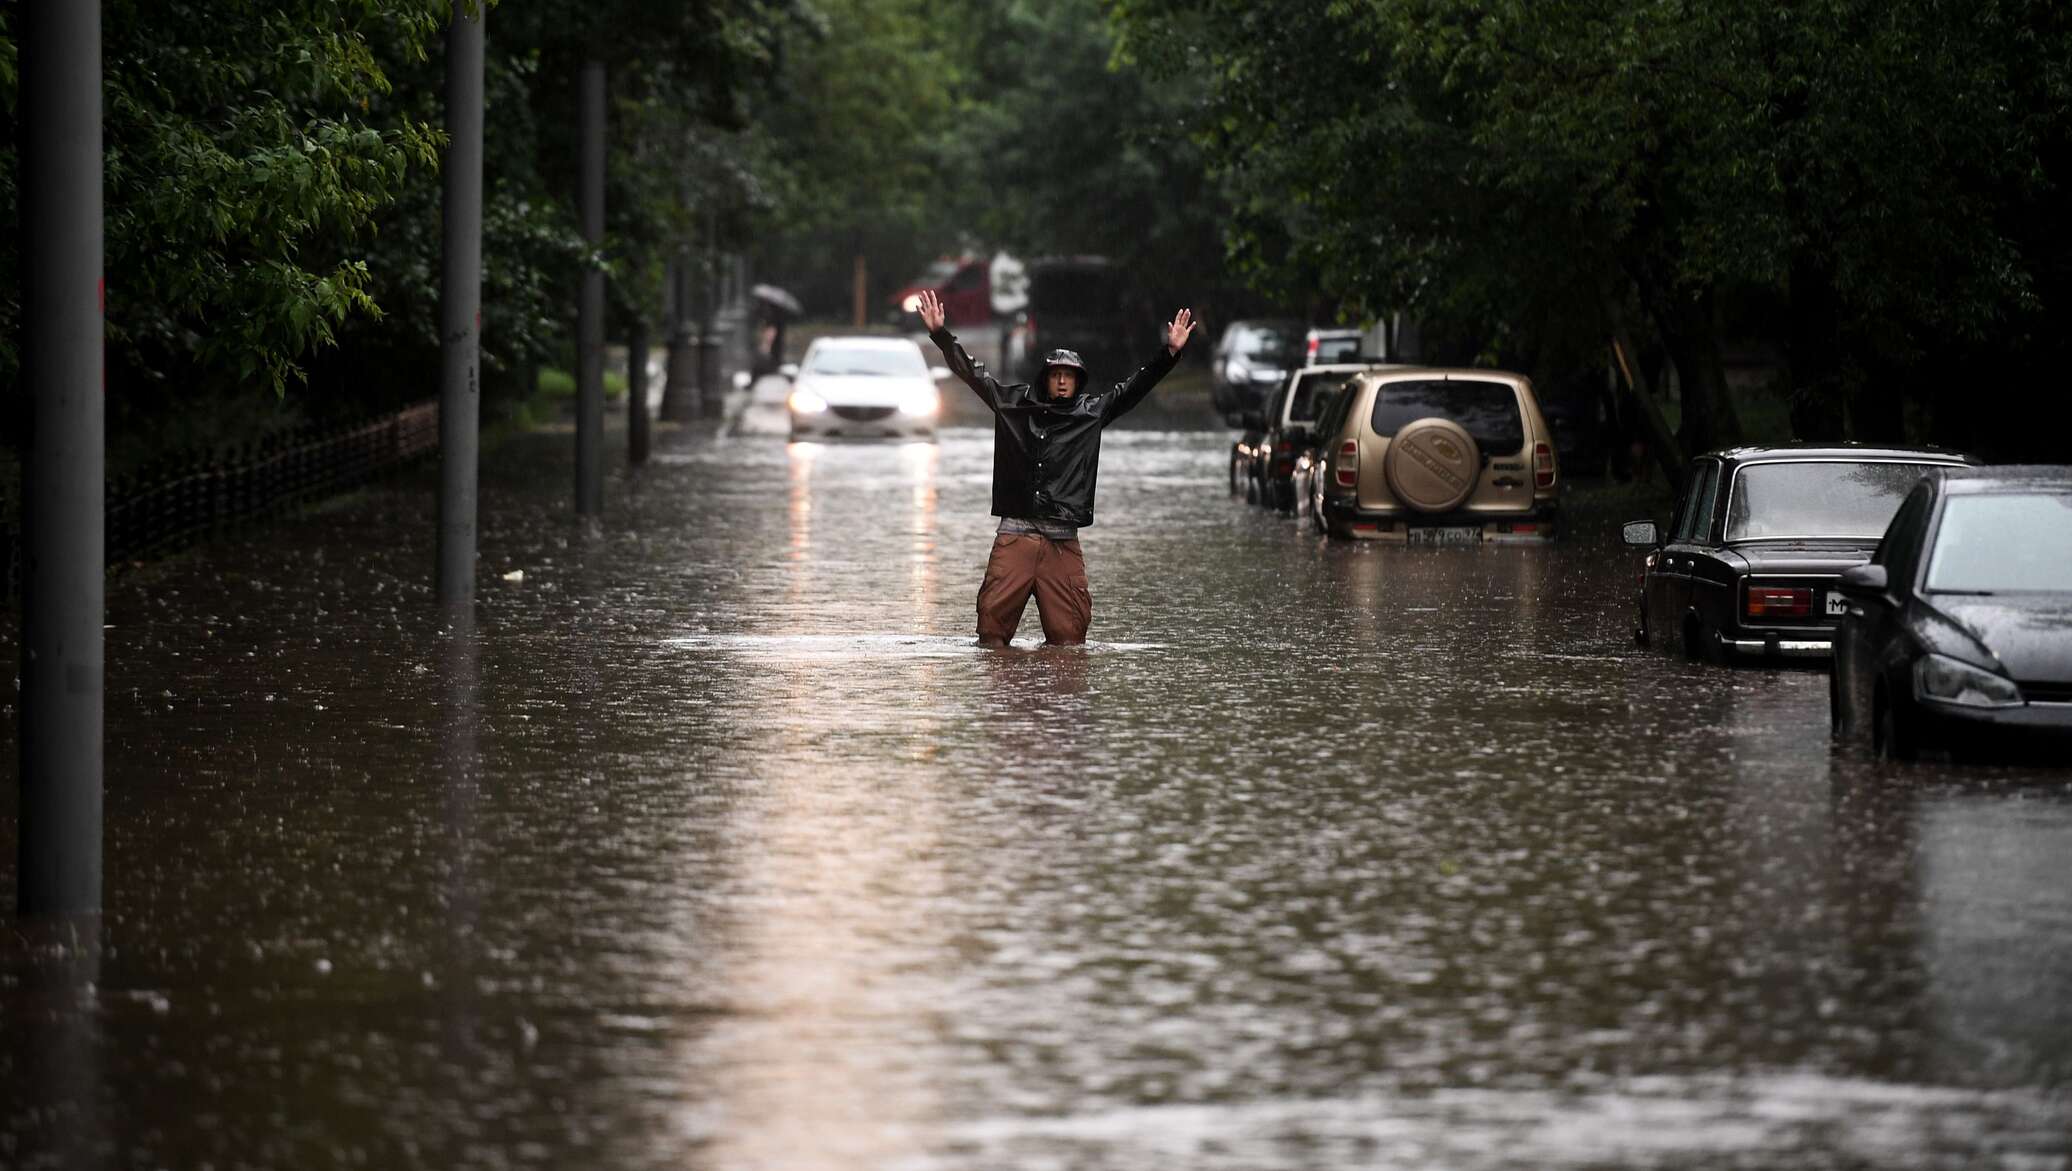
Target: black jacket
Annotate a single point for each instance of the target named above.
(1046, 453)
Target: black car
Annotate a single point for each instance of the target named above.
(1263, 459)
(1748, 568)
(1958, 632)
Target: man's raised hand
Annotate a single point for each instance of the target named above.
(1177, 330)
(931, 310)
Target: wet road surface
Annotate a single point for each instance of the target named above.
(717, 845)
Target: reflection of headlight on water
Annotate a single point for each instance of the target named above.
(912, 304)
(925, 402)
(805, 402)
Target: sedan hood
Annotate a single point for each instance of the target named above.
(1791, 557)
(2030, 635)
(849, 390)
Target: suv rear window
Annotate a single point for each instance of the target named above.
(1488, 411)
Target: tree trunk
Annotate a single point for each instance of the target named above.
(1690, 330)
(1815, 352)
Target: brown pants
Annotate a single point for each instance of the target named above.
(1026, 563)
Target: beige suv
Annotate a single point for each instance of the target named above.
(1441, 456)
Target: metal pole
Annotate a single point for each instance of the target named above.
(590, 309)
(64, 459)
(637, 440)
(460, 310)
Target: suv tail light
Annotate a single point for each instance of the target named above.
(1542, 466)
(1347, 470)
(1779, 602)
(1312, 351)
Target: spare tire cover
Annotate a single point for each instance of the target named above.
(1432, 465)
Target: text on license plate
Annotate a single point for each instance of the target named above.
(1837, 604)
(1446, 535)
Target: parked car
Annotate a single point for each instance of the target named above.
(1278, 432)
(1325, 347)
(865, 387)
(1439, 456)
(1250, 360)
(963, 282)
(1312, 457)
(1748, 568)
(1957, 634)
(1078, 303)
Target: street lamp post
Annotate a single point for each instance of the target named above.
(460, 309)
(64, 459)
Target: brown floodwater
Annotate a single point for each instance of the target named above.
(716, 844)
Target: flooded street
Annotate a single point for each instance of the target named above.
(719, 845)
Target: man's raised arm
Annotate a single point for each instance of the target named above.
(1139, 384)
(972, 374)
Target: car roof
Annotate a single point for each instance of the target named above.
(868, 342)
(1346, 367)
(1815, 452)
(1976, 481)
(1334, 331)
(1446, 373)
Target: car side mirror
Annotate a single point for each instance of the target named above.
(1865, 581)
(938, 372)
(1641, 534)
(789, 369)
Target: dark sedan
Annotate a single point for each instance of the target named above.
(1958, 632)
(1748, 567)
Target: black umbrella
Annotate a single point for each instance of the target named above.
(778, 299)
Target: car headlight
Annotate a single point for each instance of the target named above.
(920, 402)
(912, 304)
(1946, 680)
(1268, 375)
(1237, 371)
(805, 402)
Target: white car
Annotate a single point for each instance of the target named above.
(865, 387)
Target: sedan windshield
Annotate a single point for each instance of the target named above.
(873, 363)
(2011, 544)
(1817, 499)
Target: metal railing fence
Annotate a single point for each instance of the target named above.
(177, 502)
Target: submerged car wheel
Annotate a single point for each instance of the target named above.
(1890, 740)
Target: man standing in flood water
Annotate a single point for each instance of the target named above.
(1046, 451)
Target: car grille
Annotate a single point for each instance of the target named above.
(2047, 692)
(864, 414)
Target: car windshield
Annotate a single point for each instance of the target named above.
(2012, 544)
(1310, 391)
(872, 363)
(1265, 346)
(1488, 411)
(1838, 498)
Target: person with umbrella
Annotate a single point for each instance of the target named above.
(1046, 453)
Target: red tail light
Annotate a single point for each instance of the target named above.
(1312, 351)
(1347, 470)
(1779, 602)
(1542, 465)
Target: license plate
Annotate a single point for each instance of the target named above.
(1837, 604)
(1447, 535)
